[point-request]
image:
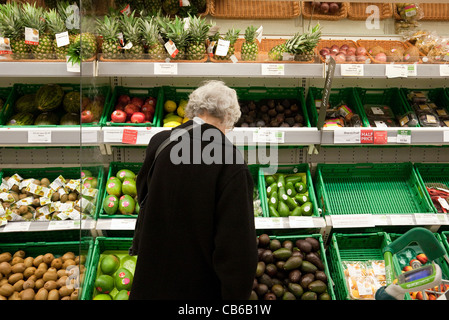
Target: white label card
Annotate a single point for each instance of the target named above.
(346, 136)
(234, 59)
(275, 223)
(39, 136)
(166, 68)
(446, 136)
(88, 136)
(170, 46)
(273, 69)
(62, 39)
(144, 136)
(412, 70)
(72, 67)
(123, 224)
(31, 36)
(268, 136)
(5, 46)
(352, 70)
(18, 226)
(426, 219)
(396, 71)
(351, 220)
(113, 135)
(444, 70)
(259, 33)
(404, 136)
(301, 222)
(401, 219)
(222, 47)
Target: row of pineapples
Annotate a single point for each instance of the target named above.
(14, 17)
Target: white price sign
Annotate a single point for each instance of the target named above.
(166, 68)
(352, 70)
(18, 226)
(301, 222)
(273, 69)
(396, 71)
(88, 136)
(446, 136)
(113, 135)
(404, 136)
(402, 219)
(222, 47)
(352, 220)
(39, 136)
(347, 136)
(123, 224)
(268, 136)
(412, 70)
(275, 223)
(63, 225)
(426, 219)
(62, 39)
(444, 70)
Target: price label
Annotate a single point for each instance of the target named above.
(31, 36)
(62, 225)
(234, 59)
(72, 67)
(123, 224)
(5, 46)
(170, 46)
(404, 136)
(129, 136)
(426, 219)
(268, 136)
(273, 69)
(412, 70)
(396, 71)
(88, 136)
(222, 47)
(443, 203)
(18, 226)
(270, 223)
(352, 221)
(352, 70)
(401, 219)
(126, 10)
(39, 136)
(444, 70)
(366, 136)
(144, 136)
(62, 39)
(380, 137)
(166, 68)
(442, 218)
(346, 136)
(380, 220)
(301, 222)
(259, 33)
(113, 135)
(446, 136)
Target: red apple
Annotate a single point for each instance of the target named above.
(351, 50)
(118, 116)
(131, 108)
(324, 52)
(381, 57)
(361, 51)
(148, 108)
(148, 115)
(138, 117)
(151, 101)
(422, 258)
(339, 58)
(124, 99)
(137, 101)
(344, 47)
(120, 106)
(335, 49)
(361, 58)
(350, 58)
(87, 116)
(407, 268)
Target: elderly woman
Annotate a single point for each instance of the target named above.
(195, 236)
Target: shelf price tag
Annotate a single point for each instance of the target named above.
(404, 136)
(123, 224)
(88, 136)
(446, 136)
(129, 136)
(144, 136)
(115, 135)
(5, 46)
(352, 70)
(442, 218)
(301, 222)
(72, 67)
(444, 70)
(222, 47)
(412, 70)
(366, 136)
(263, 135)
(62, 224)
(352, 220)
(62, 39)
(18, 226)
(426, 219)
(166, 68)
(380, 137)
(273, 69)
(346, 136)
(39, 136)
(401, 219)
(275, 223)
(396, 71)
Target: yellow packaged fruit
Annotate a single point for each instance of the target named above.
(170, 106)
(171, 124)
(181, 111)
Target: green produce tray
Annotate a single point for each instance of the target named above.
(347, 95)
(433, 173)
(354, 247)
(254, 170)
(21, 89)
(368, 188)
(58, 248)
(101, 245)
(67, 172)
(437, 95)
(114, 167)
(324, 258)
(175, 94)
(5, 94)
(391, 97)
(444, 236)
(133, 92)
(289, 169)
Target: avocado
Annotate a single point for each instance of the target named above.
(110, 204)
(291, 204)
(114, 187)
(283, 209)
(307, 209)
(122, 295)
(293, 178)
(129, 187)
(123, 279)
(288, 296)
(275, 244)
(324, 296)
(271, 269)
(126, 205)
(264, 240)
(282, 254)
(301, 198)
(291, 192)
(313, 258)
(274, 200)
(260, 269)
(272, 188)
(269, 180)
(308, 267)
(109, 264)
(309, 295)
(321, 275)
(292, 263)
(306, 279)
(296, 212)
(281, 181)
(314, 242)
(125, 174)
(278, 290)
(281, 193)
(303, 245)
(317, 286)
(300, 187)
(253, 295)
(295, 289)
(294, 276)
(104, 283)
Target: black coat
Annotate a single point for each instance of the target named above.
(196, 237)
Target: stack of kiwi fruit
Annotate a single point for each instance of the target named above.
(44, 277)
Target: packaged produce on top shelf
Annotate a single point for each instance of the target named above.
(290, 269)
(326, 7)
(364, 278)
(30, 199)
(382, 116)
(47, 276)
(433, 47)
(339, 115)
(407, 16)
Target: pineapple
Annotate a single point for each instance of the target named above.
(303, 45)
(176, 33)
(150, 31)
(198, 31)
(231, 35)
(276, 53)
(250, 49)
(12, 27)
(131, 28)
(152, 7)
(108, 28)
(171, 7)
(56, 25)
(33, 17)
(65, 12)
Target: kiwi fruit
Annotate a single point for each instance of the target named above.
(18, 286)
(38, 260)
(55, 196)
(48, 258)
(50, 275)
(5, 257)
(67, 263)
(5, 268)
(15, 296)
(68, 255)
(15, 277)
(50, 285)
(28, 272)
(27, 294)
(64, 198)
(53, 295)
(74, 295)
(18, 267)
(29, 284)
(42, 294)
(39, 283)
(56, 263)
(66, 291)
(6, 290)
(45, 182)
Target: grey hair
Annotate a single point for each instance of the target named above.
(217, 99)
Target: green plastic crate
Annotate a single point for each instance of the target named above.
(346, 95)
(368, 188)
(433, 173)
(114, 167)
(288, 169)
(57, 248)
(21, 89)
(444, 236)
(5, 94)
(391, 97)
(354, 247)
(437, 95)
(324, 258)
(67, 172)
(101, 245)
(143, 93)
(254, 170)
